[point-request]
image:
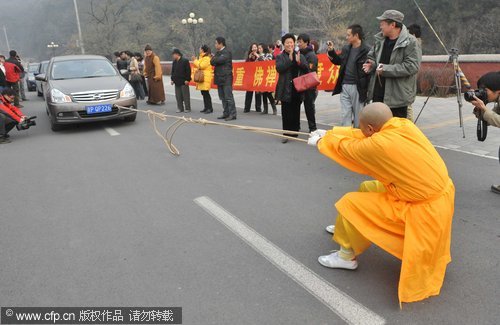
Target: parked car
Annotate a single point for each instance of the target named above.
(39, 84)
(33, 68)
(85, 88)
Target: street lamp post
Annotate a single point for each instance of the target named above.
(192, 22)
(53, 46)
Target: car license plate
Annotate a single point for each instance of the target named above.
(96, 109)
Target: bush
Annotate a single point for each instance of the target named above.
(436, 81)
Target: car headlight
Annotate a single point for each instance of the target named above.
(57, 96)
(127, 91)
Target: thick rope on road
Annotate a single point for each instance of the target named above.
(181, 120)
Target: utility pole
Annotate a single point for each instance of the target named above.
(6, 38)
(284, 17)
(79, 28)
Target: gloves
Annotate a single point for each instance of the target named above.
(313, 140)
(315, 136)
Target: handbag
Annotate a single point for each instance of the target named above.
(306, 81)
(199, 76)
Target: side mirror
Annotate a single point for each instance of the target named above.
(41, 77)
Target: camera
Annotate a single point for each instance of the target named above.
(479, 93)
(26, 124)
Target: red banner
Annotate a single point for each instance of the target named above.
(262, 75)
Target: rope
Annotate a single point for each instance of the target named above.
(432, 28)
(181, 120)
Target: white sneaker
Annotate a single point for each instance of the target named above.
(335, 262)
(330, 229)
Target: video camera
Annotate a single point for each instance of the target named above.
(27, 123)
(479, 93)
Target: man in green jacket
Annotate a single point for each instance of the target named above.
(394, 62)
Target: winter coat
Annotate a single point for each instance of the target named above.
(285, 87)
(401, 73)
(203, 64)
(223, 63)
(362, 79)
(181, 71)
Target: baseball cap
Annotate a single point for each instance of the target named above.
(395, 15)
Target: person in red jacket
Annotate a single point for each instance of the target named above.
(10, 115)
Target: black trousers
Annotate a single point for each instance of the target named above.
(400, 111)
(248, 101)
(310, 108)
(6, 124)
(15, 86)
(290, 116)
(207, 100)
(268, 96)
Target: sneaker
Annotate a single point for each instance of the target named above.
(188, 111)
(179, 111)
(330, 229)
(495, 189)
(334, 261)
(4, 140)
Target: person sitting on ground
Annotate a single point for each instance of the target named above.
(408, 209)
(491, 83)
(10, 115)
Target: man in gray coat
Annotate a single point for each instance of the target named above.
(394, 62)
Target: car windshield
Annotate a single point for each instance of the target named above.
(76, 69)
(33, 67)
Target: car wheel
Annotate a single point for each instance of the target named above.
(130, 118)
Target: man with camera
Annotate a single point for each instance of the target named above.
(11, 116)
(488, 92)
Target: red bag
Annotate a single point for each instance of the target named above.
(305, 82)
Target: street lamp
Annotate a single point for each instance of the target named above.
(53, 46)
(192, 22)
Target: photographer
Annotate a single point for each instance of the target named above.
(10, 115)
(489, 92)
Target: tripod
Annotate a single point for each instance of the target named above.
(458, 86)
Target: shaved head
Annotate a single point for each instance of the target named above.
(373, 117)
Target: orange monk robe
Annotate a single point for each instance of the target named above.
(419, 193)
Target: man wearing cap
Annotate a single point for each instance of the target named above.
(180, 77)
(394, 62)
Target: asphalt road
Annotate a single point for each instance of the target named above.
(90, 219)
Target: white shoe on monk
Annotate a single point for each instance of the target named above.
(330, 229)
(334, 261)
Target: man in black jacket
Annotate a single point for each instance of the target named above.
(303, 41)
(181, 75)
(223, 78)
(352, 83)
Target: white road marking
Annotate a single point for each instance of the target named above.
(339, 302)
(466, 152)
(111, 132)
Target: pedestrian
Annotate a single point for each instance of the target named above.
(278, 48)
(3, 81)
(202, 63)
(407, 211)
(180, 77)
(265, 55)
(22, 78)
(489, 84)
(154, 75)
(135, 77)
(306, 49)
(352, 82)
(393, 63)
(415, 30)
(140, 61)
(223, 78)
(252, 56)
(289, 65)
(10, 115)
(13, 71)
(123, 64)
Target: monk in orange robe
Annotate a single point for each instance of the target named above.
(407, 210)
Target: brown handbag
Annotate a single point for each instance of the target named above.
(306, 81)
(199, 76)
